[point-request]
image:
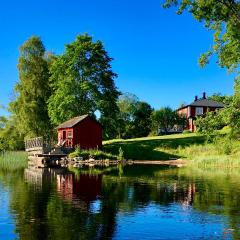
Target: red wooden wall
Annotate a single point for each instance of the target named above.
(88, 134)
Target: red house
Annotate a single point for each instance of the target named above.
(83, 131)
(197, 108)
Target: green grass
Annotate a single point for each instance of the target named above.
(220, 153)
(12, 161)
(154, 148)
(96, 154)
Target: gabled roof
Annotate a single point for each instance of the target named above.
(72, 122)
(206, 103)
(203, 102)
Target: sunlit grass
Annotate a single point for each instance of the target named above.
(12, 161)
(220, 152)
(153, 148)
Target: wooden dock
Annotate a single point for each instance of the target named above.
(42, 152)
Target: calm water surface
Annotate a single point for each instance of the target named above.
(132, 202)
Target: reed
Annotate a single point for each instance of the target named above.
(12, 161)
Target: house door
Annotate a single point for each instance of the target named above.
(64, 135)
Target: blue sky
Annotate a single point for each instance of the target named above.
(155, 51)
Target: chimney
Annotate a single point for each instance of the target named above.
(196, 98)
(204, 95)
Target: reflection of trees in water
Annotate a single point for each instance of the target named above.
(60, 206)
(46, 210)
(132, 195)
(220, 196)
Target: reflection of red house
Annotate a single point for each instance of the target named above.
(84, 131)
(197, 108)
(85, 187)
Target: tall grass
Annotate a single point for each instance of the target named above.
(217, 151)
(12, 161)
(222, 153)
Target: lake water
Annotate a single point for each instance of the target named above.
(132, 202)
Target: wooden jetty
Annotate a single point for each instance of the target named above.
(42, 153)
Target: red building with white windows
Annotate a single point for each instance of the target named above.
(83, 131)
(198, 108)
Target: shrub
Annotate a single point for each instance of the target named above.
(92, 153)
(224, 145)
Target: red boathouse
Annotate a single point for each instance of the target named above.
(83, 131)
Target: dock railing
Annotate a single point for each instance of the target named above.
(38, 144)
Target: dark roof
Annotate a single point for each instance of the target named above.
(204, 103)
(72, 122)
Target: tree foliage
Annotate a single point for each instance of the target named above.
(32, 91)
(222, 17)
(83, 82)
(165, 118)
(142, 120)
(10, 136)
(224, 99)
(211, 122)
(134, 118)
(234, 119)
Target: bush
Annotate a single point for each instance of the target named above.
(224, 145)
(92, 153)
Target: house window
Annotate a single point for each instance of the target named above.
(199, 111)
(69, 134)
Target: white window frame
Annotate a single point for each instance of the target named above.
(70, 135)
(199, 111)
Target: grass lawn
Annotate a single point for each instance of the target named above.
(154, 148)
(220, 153)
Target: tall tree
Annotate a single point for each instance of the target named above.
(127, 103)
(235, 110)
(142, 120)
(83, 82)
(164, 119)
(134, 118)
(223, 17)
(32, 91)
(218, 97)
(10, 136)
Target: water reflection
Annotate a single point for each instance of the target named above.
(121, 203)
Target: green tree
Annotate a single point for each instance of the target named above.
(127, 104)
(212, 121)
(234, 119)
(225, 99)
(32, 91)
(83, 82)
(142, 120)
(164, 119)
(222, 17)
(10, 136)
(134, 118)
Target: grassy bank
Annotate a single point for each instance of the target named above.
(221, 152)
(12, 161)
(92, 153)
(154, 148)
